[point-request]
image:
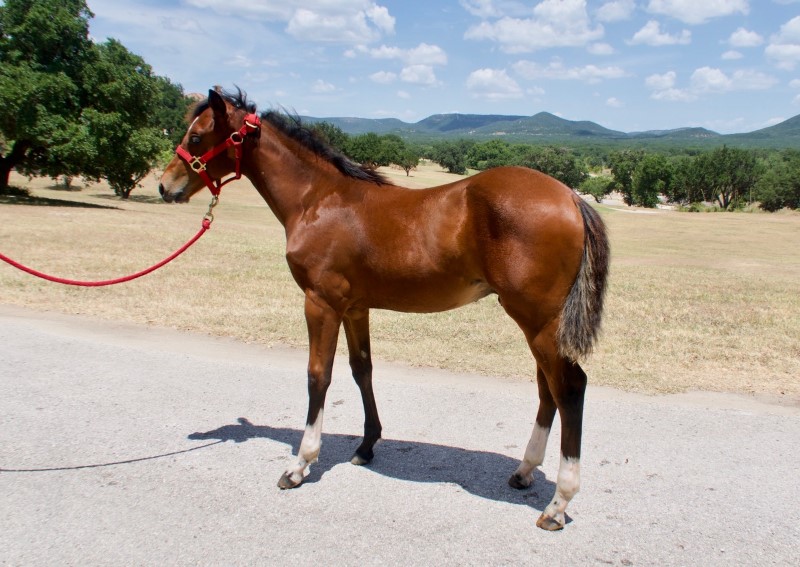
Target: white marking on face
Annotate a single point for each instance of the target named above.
(194, 122)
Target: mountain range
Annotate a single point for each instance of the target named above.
(549, 128)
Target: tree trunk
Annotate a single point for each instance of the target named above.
(8, 162)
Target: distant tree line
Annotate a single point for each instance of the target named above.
(728, 177)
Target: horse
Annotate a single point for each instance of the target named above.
(357, 242)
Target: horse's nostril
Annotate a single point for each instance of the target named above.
(161, 189)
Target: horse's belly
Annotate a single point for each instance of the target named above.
(428, 297)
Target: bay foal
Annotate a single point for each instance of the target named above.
(356, 242)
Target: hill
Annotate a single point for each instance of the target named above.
(545, 127)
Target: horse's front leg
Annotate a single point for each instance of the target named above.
(323, 331)
(356, 328)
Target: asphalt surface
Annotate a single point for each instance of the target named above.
(126, 445)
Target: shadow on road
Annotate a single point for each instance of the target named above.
(480, 473)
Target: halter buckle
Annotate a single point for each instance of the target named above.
(197, 164)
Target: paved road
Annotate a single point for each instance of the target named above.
(124, 445)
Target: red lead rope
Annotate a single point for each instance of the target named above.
(251, 125)
(207, 220)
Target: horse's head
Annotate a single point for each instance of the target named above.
(211, 147)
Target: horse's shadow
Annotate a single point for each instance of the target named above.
(480, 473)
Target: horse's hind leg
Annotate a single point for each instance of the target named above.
(534, 452)
(567, 386)
(356, 328)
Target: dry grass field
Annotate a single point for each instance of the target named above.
(696, 301)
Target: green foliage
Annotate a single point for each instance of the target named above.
(779, 187)
(623, 165)
(71, 107)
(365, 149)
(687, 182)
(598, 186)
(729, 174)
(169, 114)
(556, 162)
(489, 154)
(651, 178)
(332, 135)
(452, 155)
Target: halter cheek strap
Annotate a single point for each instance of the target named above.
(198, 164)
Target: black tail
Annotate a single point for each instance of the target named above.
(583, 309)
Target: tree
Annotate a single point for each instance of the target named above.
(71, 107)
(489, 154)
(409, 159)
(392, 148)
(332, 135)
(169, 113)
(687, 182)
(556, 162)
(651, 178)
(623, 165)
(729, 173)
(121, 95)
(366, 149)
(44, 47)
(598, 186)
(779, 187)
(452, 155)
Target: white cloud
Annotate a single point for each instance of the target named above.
(345, 21)
(732, 55)
(661, 82)
(493, 84)
(556, 23)
(784, 47)
(556, 70)
(614, 102)
(383, 77)
(321, 87)
(418, 75)
(651, 34)
(494, 8)
(615, 11)
(745, 38)
(707, 80)
(423, 54)
(698, 11)
(600, 49)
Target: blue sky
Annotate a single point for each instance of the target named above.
(727, 65)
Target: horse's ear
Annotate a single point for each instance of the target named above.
(217, 103)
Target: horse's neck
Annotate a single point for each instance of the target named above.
(282, 177)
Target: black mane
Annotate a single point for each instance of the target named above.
(238, 100)
(291, 126)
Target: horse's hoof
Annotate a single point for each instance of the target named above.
(519, 482)
(361, 460)
(549, 523)
(288, 481)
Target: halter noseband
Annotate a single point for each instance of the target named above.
(252, 124)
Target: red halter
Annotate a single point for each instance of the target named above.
(252, 124)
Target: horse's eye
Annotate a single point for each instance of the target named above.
(194, 139)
